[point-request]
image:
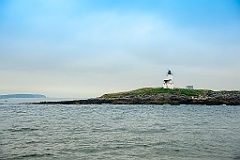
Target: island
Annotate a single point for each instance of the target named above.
(7, 96)
(161, 96)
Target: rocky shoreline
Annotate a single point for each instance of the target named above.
(206, 98)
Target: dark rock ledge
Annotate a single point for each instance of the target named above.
(205, 98)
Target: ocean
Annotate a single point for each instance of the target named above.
(119, 132)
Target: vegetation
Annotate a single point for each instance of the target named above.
(152, 91)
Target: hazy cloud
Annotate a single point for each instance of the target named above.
(86, 48)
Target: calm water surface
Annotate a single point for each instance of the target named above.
(155, 132)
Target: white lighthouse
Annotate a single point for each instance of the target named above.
(168, 81)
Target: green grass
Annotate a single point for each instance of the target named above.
(151, 91)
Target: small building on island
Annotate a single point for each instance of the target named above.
(189, 87)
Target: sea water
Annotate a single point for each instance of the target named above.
(119, 132)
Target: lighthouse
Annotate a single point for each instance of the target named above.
(168, 81)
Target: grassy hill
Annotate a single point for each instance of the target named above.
(152, 91)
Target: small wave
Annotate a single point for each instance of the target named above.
(21, 112)
(33, 142)
(151, 131)
(25, 129)
(33, 156)
(237, 157)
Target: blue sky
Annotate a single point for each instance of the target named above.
(85, 48)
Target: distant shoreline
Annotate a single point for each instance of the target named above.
(161, 96)
(9, 96)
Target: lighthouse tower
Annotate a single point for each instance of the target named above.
(168, 81)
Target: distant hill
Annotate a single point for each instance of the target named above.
(7, 96)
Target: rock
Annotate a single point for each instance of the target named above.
(175, 98)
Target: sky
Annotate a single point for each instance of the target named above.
(86, 48)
